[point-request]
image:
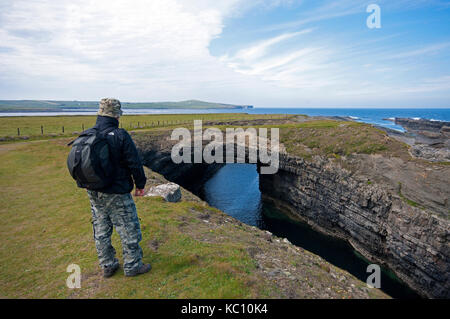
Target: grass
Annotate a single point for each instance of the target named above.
(407, 200)
(337, 138)
(45, 226)
(30, 126)
(333, 138)
(316, 137)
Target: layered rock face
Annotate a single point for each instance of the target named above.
(377, 223)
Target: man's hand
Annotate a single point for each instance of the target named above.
(139, 192)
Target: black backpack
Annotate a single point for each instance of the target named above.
(89, 161)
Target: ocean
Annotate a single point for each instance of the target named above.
(376, 116)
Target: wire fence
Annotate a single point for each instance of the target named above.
(30, 128)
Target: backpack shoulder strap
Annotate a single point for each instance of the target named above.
(87, 132)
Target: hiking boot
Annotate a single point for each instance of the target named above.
(141, 270)
(109, 271)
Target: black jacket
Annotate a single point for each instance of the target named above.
(124, 156)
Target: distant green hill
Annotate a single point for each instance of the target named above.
(48, 105)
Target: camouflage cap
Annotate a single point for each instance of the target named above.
(109, 107)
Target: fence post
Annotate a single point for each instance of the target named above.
(63, 129)
(42, 130)
(82, 126)
(18, 131)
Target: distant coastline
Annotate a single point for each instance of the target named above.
(71, 106)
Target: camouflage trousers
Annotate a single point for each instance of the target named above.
(119, 211)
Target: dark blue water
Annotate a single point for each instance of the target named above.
(234, 189)
(239, 196)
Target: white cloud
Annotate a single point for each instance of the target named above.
(133, 46)
(429, 49)
(298, 66)
(260, 49)
(140, 50)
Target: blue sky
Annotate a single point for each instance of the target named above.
(268, 53)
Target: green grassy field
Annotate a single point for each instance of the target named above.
(30, 126)
(337, 138)
(331, 138)
(45, 226)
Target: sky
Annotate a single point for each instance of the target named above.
(266, 53)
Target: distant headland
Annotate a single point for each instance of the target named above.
(58, 106)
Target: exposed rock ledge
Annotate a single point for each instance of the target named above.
(429, 139)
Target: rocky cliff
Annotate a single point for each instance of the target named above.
(377, 223)
(391, 208)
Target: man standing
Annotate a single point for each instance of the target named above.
(114, 205)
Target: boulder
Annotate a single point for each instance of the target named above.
(171, 192)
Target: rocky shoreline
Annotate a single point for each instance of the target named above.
(429, 140)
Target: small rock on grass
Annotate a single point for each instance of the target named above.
(171, 192)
